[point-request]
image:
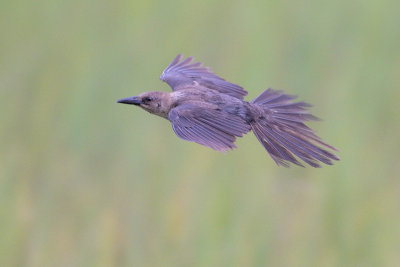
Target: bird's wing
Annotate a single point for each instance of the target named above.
(208, 127)
(183, 74)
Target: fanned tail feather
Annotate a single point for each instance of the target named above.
(281, 130)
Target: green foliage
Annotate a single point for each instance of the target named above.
(87, 182)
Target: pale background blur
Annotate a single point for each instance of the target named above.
(88, 182)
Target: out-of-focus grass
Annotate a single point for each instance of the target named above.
(87, 182)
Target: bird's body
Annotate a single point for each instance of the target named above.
(208, 110)
(211, 99)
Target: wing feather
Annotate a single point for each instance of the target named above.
(181, 74)
(208, 127)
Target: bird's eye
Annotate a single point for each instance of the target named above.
(147, 99)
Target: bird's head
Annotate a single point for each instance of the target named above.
(158, 103)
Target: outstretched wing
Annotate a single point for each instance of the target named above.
(208, 127)
(183, 74)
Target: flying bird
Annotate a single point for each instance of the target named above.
(208, 110)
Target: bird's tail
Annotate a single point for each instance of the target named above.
(279, 126)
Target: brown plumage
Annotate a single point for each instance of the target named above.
(210, 111)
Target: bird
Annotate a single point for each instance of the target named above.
(206, 109)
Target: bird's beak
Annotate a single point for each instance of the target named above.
(134, 100)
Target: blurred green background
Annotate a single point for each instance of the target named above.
(88, 182)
